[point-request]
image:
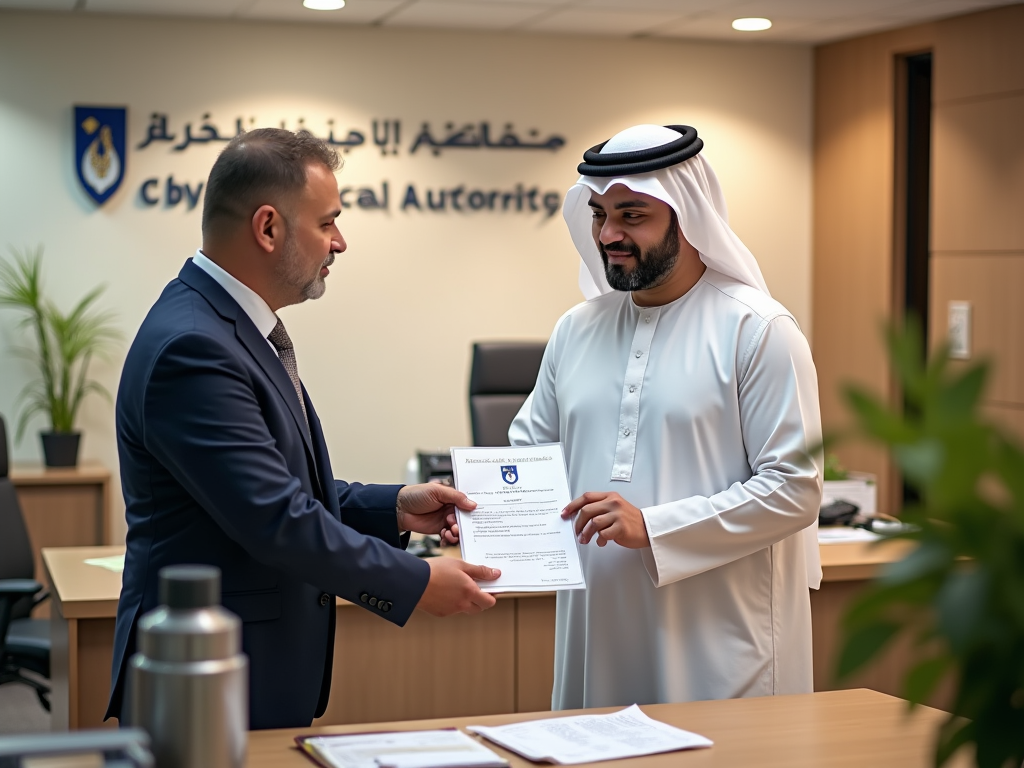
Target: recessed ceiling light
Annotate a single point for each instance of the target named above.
(324, 5)
(751, 25)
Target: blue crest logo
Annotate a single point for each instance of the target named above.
(509, 474)
(100, 142)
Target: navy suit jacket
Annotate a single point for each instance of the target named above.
(217, 467)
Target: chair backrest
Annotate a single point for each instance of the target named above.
(16, 560)
(502, 376)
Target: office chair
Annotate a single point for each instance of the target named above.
(502, 375)
(24, 642)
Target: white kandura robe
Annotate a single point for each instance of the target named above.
(702, 413)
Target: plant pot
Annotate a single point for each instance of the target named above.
(60, 449)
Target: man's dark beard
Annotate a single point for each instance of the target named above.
(651, 268)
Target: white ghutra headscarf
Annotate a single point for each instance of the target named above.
(690, 187)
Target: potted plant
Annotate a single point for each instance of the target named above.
(65, 345)
(959, 594)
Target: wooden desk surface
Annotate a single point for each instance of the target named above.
(859, 560)
(37, 474)
(83, 591)
(88, 591)
(834, 729)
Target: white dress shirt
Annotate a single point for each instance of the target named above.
(252, 303)
(702, 413)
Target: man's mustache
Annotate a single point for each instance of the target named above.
(621, 247)
(330, 259)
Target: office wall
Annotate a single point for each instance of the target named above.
(385, 353)
(977, 239)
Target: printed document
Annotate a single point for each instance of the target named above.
(517, 525)
(401, 749)
(590, 738)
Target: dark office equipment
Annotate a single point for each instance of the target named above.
(503, 374)
(435, 468)
(123, 748)
(24, 642)
(837, 513)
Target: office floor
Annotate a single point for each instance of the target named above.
(20, 711)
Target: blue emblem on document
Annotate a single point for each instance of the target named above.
(100, 142)
(509, 474)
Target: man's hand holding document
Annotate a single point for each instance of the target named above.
(520, 492)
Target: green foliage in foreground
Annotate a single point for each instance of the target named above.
(959, 595)
(64, 343)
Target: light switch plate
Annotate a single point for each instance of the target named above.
(959, 330)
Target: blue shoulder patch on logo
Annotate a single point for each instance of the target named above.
(100, 149)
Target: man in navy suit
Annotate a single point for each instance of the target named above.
(223, 460)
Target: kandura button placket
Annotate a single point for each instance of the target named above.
(632, 388)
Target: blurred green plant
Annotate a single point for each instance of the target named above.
(65, 344)
(959, 595)
(834, 470)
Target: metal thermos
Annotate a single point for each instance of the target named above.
(188, 685)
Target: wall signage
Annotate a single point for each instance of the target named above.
(100, 144)
(389, 136)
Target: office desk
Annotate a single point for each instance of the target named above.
(63, 507)
(84, 601)
(506, 654)
(838, 729)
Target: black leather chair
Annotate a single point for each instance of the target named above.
(24, 642)
(502, 375)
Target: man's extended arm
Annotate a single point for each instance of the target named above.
(204, 423)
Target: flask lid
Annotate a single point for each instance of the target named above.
(189, 586)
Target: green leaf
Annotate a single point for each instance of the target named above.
(960, 605)
(924, 677)
(927, 558)
(863, 644)
(921, 461)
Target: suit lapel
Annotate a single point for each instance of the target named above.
(323, 462)
(253, 341)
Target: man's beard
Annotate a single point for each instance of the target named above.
(291, 272)
(651, 268)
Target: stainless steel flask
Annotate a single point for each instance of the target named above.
(188, 684)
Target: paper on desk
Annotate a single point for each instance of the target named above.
(517, 526)
(406, 749)
(590, 738)
(113, 563)
(842, 534)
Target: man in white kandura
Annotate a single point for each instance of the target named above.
(687, 404)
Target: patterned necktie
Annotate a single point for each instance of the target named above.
(283, 344)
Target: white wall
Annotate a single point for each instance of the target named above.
(385, 354)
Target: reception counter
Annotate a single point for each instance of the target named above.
(505, 655)
(837, 729)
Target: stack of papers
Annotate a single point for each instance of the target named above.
(517, 525)
(591, 738)
(408, 749)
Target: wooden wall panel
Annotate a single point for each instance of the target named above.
(977, 200)
(992, 283)
(978, 174)
(981, 54)
(853, 223)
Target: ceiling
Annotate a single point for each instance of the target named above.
(794, 21)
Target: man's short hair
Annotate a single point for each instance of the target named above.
(257, 168)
